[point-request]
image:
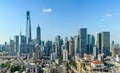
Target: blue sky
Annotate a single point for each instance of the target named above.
(60, 17)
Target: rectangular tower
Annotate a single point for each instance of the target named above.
(99, 39)
(106, 43)
(82, 41)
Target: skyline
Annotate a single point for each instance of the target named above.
(59, 17)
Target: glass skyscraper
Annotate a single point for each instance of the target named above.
(28, 28)
(82, 41)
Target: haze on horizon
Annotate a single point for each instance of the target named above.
(59, 17)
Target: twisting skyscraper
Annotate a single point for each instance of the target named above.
(28, 28)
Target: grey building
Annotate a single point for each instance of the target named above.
(58, 44)
(26, 50)
(105, 43)
(16, 43)
(99, 42)
(66, 42)
(91, 43)
(38, 35)
(82, 41)
(11, 50)
(48, 48)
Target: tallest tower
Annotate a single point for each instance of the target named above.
(28, 28)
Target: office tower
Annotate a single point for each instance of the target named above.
(90, 44)
(52, 56)
(106, 43)
(22, 38)
(63, 47)
(11, 50)
(111, 46)
(42, 43)
(58, 43)
(66, 43)
(6, 50)
(38, 35)
(28, 28)
(115, 50)
(0, 48)
(82, 41)
(16, 43)
(99, 42)
(76, 44)
(95, 52)
(65, 55)
(113, 43)
(48, 47)
(53, 47)
(71, 47)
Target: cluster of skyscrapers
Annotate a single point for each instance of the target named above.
(80, 44)
(23, 45)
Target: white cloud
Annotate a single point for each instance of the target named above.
(47, 10)
(108, 15)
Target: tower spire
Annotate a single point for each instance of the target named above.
(38, 35)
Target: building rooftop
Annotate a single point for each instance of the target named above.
(97, 62)
(87, 56)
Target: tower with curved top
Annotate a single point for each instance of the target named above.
(28, 28)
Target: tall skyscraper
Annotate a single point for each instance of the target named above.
(95, 52)
(58, 44)
(28, 28)
(11, 50)
(76, 44)
(71, 47)
(6, 49)
(88, 42)
(66, 43)
(16, 43)
(82, 41)
(91, 44)
(65, 55)
(63, 47)
(106, 43)
(48, 48)
(99, 42)
(38, 35)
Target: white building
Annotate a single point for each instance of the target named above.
(118, 57)
(97, 65)
(65, 55)
(76, 44)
